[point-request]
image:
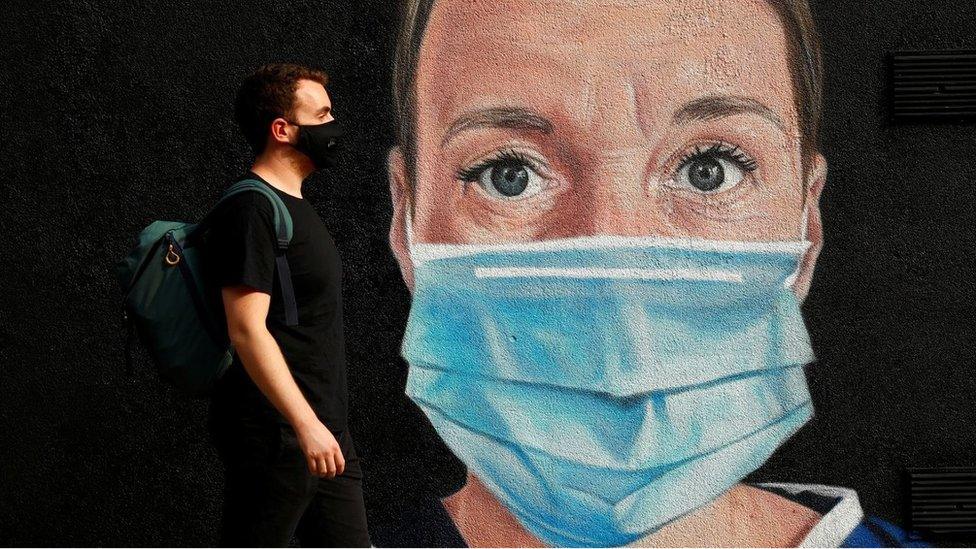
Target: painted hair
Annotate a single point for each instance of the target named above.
(801, 34)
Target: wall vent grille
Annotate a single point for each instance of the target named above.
(933, 86)
(943, 501)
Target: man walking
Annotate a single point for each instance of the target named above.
(278, 416)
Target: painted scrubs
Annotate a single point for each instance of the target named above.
(424, 522)
(843, 523)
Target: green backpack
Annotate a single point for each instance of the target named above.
(167, 300)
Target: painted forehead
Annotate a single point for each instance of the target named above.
(556, 53)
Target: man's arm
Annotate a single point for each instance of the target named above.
(246, 309)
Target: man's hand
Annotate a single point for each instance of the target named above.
(246, 310)
(321, 449)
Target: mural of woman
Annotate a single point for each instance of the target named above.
(607, 214)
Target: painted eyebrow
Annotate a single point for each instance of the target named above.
(713, 107)
(498, 117)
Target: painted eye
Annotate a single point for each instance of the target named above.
(510, 179)
(708, 173)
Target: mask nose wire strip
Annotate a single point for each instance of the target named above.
(705, 275)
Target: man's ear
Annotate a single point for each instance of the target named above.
(400, 193)
(279, 131)
(816, 177)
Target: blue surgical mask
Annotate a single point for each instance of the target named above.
(601, 387)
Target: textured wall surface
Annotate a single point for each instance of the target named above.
(115, 114)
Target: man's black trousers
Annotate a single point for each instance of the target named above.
(270, 495)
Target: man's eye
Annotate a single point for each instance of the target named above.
(506, 178)
(714, 170)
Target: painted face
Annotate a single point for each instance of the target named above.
(541, 119)
(547, 119)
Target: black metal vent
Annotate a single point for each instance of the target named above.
(943, 501)
(933, 86)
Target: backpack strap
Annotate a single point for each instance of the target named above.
(282, 219)
(283, 233)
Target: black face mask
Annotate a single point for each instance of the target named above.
(320, 142)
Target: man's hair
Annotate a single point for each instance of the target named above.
(806, 66)
(269, 93)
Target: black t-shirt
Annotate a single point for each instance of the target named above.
(241, 248)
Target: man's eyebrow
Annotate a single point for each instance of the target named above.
(713, 107)
(498, 117)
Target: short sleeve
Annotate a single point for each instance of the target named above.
(241, 243)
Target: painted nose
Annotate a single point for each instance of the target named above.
(612, 194)
(611, 197)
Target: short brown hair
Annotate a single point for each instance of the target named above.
(269, 93)
(806, 66)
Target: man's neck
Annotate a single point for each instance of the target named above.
(283, 171)
(742, 516)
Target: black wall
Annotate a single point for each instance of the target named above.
(118, 113)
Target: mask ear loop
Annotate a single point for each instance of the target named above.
(790, 280)
(408, 217)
